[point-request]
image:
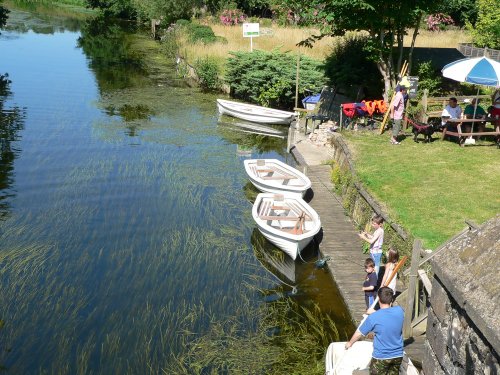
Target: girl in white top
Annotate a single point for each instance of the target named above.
(392, 260)
(375, 240)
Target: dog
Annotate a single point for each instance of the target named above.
(420, 128)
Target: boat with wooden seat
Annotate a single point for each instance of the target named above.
(286, 220)
(274, 176)
(339, 361)
(254, 113)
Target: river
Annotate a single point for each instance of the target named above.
(126, 238)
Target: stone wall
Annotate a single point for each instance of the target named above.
(454, 343)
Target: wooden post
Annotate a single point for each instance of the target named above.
(424, 106)
(291, 136)
(153, 28)
(341, 125)
(415, 258)
(297, 81)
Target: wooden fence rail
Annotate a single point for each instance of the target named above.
(468, 50)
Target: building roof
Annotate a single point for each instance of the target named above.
(469, 268)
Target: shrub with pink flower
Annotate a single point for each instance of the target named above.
(231, 17)
(439, 21)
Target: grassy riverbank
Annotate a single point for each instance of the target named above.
(430, 189)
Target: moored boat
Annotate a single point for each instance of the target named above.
(339, 361)
(286, 220)
(274, 176)
(254, 113)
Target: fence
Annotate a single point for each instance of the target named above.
(417, 298)
(441, 101)
(468, 50)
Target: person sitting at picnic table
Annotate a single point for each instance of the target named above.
(494, 109)
(451, 111)
(469, 112)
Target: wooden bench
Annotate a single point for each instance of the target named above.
(462, 135)
(281, 177)
(283, 218)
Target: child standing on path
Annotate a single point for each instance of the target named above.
(370, 282)
(375, 240)
(392, 260)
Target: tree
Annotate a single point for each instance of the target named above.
(460, 10)
(3, 15)
(116, 8)
(385, 21)
(168, 11)
(486, 32)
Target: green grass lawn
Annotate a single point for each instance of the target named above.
(431, 188)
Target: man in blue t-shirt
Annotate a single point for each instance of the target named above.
(387, 324)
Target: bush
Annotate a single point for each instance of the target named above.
(348, 68)
(439, 21)
(200, 33)
(429, 78)
(268, 78)
(230, 17)
(208, 73)
(169, 43)
(182, 22)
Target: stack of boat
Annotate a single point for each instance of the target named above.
(282, 216)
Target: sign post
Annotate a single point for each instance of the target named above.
(251, 30)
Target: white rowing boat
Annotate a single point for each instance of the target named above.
(285, 220)
(340, 361)
(274, 176)
(254, 113)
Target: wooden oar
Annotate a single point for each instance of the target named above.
(393, 274)
(283, 218)
(388, 281)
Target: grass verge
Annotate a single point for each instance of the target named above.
(431, 188)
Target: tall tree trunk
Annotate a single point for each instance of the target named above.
(400, 38)
(384, 63)
(385, 71)
(413, 39)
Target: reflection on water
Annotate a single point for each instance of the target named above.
(277, 262)
(11, 123)
(107, 47)
(128, 244)
(42, 17)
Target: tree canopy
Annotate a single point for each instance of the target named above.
(486, 32)
(385, 22)
(3, 15)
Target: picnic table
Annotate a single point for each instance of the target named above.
(463, 135)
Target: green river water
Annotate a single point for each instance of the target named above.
(126, 238)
